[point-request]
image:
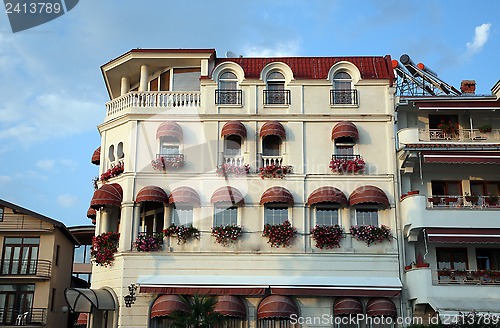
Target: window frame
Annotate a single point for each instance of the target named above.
(223, 208)
(276, 93)
(231, 139)
(327, 207)
(343, 92)
(2, 213)
(182, 207)
(365, 208)
(276, 206)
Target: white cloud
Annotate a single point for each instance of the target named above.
(4, 179)
(480, 38)
(288, 49)
(66, 200)
(45, 164)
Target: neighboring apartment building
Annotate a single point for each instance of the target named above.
(36, 255)
(449, 156)
(175, 115)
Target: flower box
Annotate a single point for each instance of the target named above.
(275, 171)
(148, 243)
(103, 248)
(279, 235)
(327, 237)
(371, 234)
(227, 234)
(114, 171)
(225, 170)
(164, 162)
(182, 233)
(356, 165)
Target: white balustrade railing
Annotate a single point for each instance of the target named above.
(162, 99)
(234, 160)
(466, 135)
(272, 160)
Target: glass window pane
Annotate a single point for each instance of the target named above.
(169, 149)
(182, 216)
(79, 256)
(226, 216)
(367, 216)
(275, 215)
(327, 216)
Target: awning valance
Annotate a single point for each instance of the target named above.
(448, 308)
(368, 195)
(110, 194)
(471, 157)
(169, 129)
(381, 307)
(152, 194)
(277, 306)
(166, 304)
(276, 195)
(472, 235)
(346, 306)
(185, 195)
(84, 299)
(96, 156)
(234, 128)
(345, 130)
(327, 195)
(91, 213)
(231, 306)
(273, 128)
(227, 194)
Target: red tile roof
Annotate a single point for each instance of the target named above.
(316, 67)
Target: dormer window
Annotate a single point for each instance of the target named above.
(227, 92)
(275, 93)
(343, 92)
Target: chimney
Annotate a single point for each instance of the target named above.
(468, 86)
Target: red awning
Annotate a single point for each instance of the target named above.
(202, 290)
(185, 195)
(273, 128)
(368, 195)
(381, 307)
(276, 306)
(169, 129)
(234, 128)
(166, 304)
(152, 194)
(110, 194)
(337, 291)
(91, 213)
(462, 157)
(345, 129)
(231, 306)
(82, 319)
(227, 194)
(463, 235)
(276, 195)
(347, 305)
(96, 156)
(327, 195)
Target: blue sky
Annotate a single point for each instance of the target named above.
(52, 92)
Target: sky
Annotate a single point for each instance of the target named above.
(53, 96)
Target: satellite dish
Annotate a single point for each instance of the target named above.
(230, 54)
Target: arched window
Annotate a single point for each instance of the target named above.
(119, 150)
(227, 92)
(271, 150)
(275, 93)
(343, 92)
(232, 145)
(111, 153)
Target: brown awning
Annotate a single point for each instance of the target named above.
(169, 129)
(203, 290)
(347, 305)
(110, 194)
(166, 304)
(368, 195)
(276, 195)
(381, 307)
(463, 235)
(345, 129)
(273, 128)
(234, 128)
(91, 213)
(231, 306)
(337, 292)
(152, 194)
(185, 195)
(327, 195)
(82, 319)
(276, 306)
(471, 157)
(227, 194)
(96, 156)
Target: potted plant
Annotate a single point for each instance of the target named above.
(371, 234)
(279, 235)
(343, 166)
(114, 171)
(410, 266)
(448, 127)
(148, 243)
(168, 162)
(327, 237)
(492, 200)
(182, 233)
(275, 171)
(103, 248)
(227, 234)
(484, 128)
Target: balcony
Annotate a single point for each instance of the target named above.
(20, 222)
(414, 135)
(30, 317)
(343, 97)
(154, 100)
(272, 160)
(234, 160)
(346, 157)
(276, 97)
(26, 268)
(168, 161)
(228, 97)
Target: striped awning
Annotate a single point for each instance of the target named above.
(368, 195)
(231, 306)
(273, 128)
(227, 194)
(185, 195)
(345, 129)
(276, 195)
(169, 129)
(152, 194)
(166, 305)
(234, 128)
(110, 194)
(347, 305)
(462, 157)
(381, 307)
(327, 195)
(464, 236)
(277, 306)
(96, 156)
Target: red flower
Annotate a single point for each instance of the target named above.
(275, 171)
(327, 236)
(114, 171)
(279, 235)
(371, 234)
(226, 234)
(104, 247)
(347, 165)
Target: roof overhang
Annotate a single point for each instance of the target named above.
(450, 308)
(451, 235)
(84, 299)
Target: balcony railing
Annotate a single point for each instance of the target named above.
(272, 160)
(477, 277)
(454, 201)
(154, 99)
(344, 97)
(228, 97)
(24, 222)
(234, 160)
(36, 268)
(27, 317)
(346, 157)
(465, 135)
(276, 97)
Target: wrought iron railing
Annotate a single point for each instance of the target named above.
(459, 201)
(276, 97)
(344, 97)
(23, 317)
(472, 277)
(37, 268)
(346, 157)
(465, 135)
(228, 97)
(24, 222)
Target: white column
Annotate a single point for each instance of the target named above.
(125, 85)
(166, 223)
(103, 220)
(143, 83)
(137, 220)
(126, 227)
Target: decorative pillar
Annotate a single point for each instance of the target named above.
(103, 220)
(143, 83)
(125, 85)
(136, 220)
(166, 223)
(126, 226)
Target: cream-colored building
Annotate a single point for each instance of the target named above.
(189, 111)
(449, 156)
(36, 255)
